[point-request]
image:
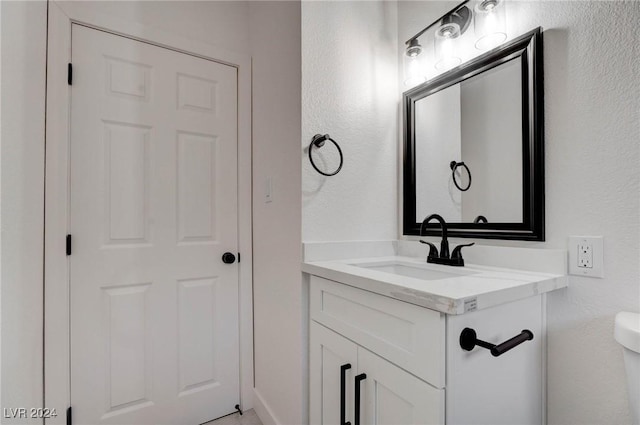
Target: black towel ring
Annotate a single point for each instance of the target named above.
(454, 166)
(318, 141)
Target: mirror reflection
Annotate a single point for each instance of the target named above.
(469, 148)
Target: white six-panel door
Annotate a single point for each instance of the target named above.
(153, 201)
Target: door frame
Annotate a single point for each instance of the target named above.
(57, 361)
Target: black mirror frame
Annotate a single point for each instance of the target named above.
(528, 48)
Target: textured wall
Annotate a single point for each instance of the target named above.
(275, 41)
(23, 92)
(349, 75)
(592, 90)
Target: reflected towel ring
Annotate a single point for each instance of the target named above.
(318, 141)
(454, 166)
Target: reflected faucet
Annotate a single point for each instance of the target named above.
(443, 258)
(480, 219)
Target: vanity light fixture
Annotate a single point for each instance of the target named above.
(450, 26)
(490, 24)
(489, 21)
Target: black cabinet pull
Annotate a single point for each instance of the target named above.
(343, 393)
(469, 339)
(356, 414)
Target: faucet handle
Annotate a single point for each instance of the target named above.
(457, 251)
(433, 251)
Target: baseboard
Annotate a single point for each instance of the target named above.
(262, 410)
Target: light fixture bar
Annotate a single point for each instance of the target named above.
(437, 21)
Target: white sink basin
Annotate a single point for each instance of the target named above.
(416, 271)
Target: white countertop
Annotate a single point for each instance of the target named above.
(472, 287)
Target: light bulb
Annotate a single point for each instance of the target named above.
(490, 24)
(446, 48)
(413, 71)
(414, 48)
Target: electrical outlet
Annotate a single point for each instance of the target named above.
(586, 256)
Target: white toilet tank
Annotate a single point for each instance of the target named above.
(627, 333)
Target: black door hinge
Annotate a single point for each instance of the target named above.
(69, 74)
(69, 419)
(68, 244)
(238, 257)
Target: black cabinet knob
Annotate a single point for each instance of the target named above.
(228, 258)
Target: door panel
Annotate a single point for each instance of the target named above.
(329, 351)
(391, 396)
(153, 201)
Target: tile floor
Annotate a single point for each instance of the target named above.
(248, 418)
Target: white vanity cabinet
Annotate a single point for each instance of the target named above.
(388, 394)
(416, 371)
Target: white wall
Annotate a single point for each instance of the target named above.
(0, 209)
(278, 338)
(268, 31)
(592, 90)
(222, 23)
(488, 148)
(438, 132)
(23, 39)
(349, 75)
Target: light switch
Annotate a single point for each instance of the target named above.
(268, 190)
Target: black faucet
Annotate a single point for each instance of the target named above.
(443, 258)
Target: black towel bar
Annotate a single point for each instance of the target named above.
(469, 339)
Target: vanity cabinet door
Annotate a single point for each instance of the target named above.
(332, 358)
(391, 396)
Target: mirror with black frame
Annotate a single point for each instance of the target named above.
(473, 146)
